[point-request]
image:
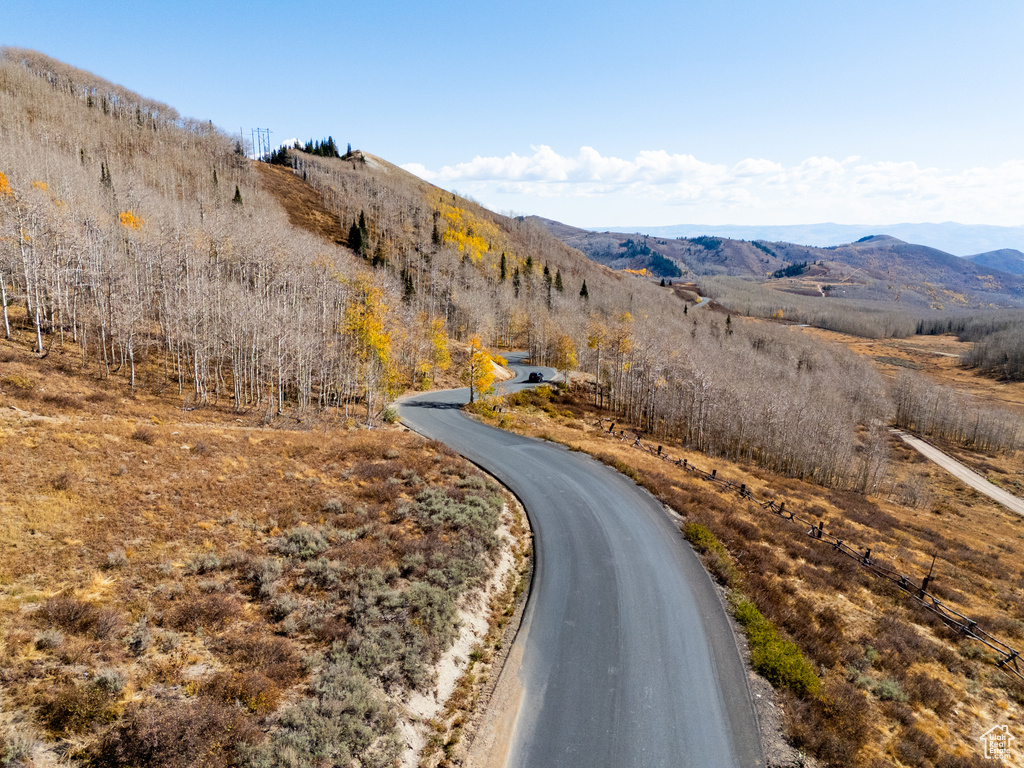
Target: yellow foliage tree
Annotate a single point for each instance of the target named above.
(471, 235)
(479, 371)
(5, 187)
(365, 324)
(565, 355)
(440, 359)
(130, 221)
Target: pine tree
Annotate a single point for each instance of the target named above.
(584, 293)
(663, 282)
(237, 199)
(504, 268)
(558, 281)
(355, 238)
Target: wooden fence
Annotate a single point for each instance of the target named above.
(1008, 658)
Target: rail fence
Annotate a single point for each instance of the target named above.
(1009, 657)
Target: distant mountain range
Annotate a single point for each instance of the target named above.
(875, 267)
(958, 239)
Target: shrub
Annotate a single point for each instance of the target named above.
(145, 434)
(250, 689)
(778, 661)
(204, 563)
(205, 734)
(16, 750)
(273, 657)
(341, 721)
(889, 690)
(209, 612)
(110, 680)
(262, 572)
(20, 384)
(302, 542)
(716, 556)
(117, 558)
(283, 605)
(70, 708)
(50, 639)
(80, 617)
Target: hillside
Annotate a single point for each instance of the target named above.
(214, 540)
(1004, 259)
(876, 268)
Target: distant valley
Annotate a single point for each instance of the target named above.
(875, 267)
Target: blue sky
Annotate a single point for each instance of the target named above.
(605, 113)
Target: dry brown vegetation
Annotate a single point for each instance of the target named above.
(171, 589)
(896, 684)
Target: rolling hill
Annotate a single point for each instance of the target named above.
(1005, 259)
(877, 267)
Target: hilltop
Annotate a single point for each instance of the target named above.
(1005, 259)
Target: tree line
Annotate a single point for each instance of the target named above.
(155, 251)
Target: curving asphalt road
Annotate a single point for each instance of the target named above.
(627, 655)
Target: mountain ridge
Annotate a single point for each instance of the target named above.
(878, 267)
(951, 237)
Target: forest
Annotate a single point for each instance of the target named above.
(149, 244)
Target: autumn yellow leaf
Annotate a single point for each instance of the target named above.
(5, 187)
(130, 220)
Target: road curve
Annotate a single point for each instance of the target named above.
(628, 658)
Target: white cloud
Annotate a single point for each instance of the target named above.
(656, 183)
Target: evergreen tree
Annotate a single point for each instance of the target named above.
(516, 281)
(558, 281)
(435, 236)
(215, 177)
(584, 293)
(355, 238)
(529, 265)
(504, 268)
(237, 199)
(663, 282)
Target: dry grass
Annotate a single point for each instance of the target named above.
(212, 565)
(892, 677)
(937, 357)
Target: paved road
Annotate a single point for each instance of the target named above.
(627, 655)
(958, 470)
